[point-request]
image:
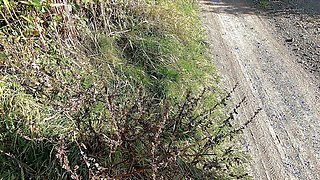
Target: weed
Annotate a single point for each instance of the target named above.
(265, 4)
(111, 89)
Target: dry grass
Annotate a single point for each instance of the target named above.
(111, 89)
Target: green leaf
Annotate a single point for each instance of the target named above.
(36, 2)
(27, 19)
(2, 56)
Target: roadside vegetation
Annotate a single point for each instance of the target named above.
(264, 4)
(120, 89)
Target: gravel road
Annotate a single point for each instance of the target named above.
(298, 25)
(284, 140)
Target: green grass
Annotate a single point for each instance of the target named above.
(111, 90)
(265, 4)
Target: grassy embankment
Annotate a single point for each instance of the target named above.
(115, 89)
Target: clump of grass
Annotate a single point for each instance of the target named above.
(265, 4)
(94, 89)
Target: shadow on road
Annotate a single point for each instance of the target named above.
(275, 8)
(230, 6)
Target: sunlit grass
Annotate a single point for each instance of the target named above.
(84, 86)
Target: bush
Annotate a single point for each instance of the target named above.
(149, 138)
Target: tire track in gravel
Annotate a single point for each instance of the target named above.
(284, 141)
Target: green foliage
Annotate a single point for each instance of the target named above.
(265, 4)
(110, 89)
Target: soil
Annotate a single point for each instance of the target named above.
(298, 26)
(274, 55)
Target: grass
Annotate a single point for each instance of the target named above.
(265, 4)
(116, 90)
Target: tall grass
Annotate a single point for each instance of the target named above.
(120, 89)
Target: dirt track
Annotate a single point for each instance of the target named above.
(284, 140)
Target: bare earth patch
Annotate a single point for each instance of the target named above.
(298, 26)
(268, 54)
